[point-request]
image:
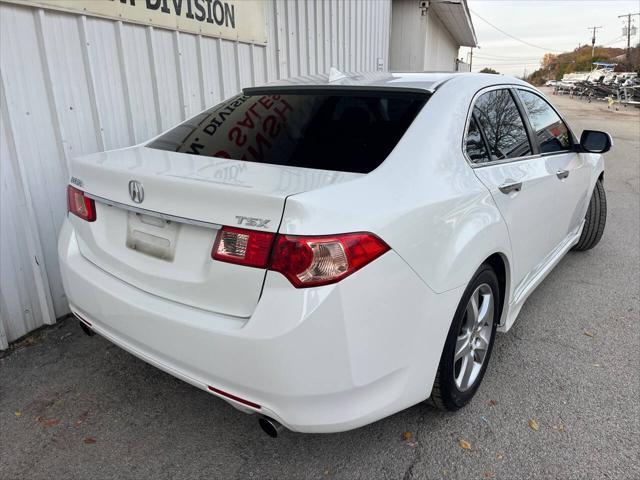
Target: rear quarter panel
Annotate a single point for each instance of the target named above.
(424, 200)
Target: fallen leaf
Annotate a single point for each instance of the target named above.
(534, 425)
(595, 364)
(492, 403)
(558, 428)
(462, 443)
(499, 456)
(89, 440)
(406, 436)
(589, 333)
(82, 418)
(48, 422)
(489, 475)
(18, 413)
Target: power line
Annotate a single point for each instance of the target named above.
(496, 57)
(615, 40)
(504, 64)
(513, 37)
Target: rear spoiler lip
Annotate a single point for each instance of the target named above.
(333, 89)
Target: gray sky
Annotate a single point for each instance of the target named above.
(552, 24)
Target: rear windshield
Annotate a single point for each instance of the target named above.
(348, 132)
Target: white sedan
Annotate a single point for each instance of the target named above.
(326, 253)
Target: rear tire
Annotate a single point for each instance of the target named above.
(594, 220)
(478, 324)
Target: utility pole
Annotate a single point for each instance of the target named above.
(593, 41)
(628, 16)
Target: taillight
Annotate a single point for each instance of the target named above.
(314, 261)
(305, 261)
(79, 205)
(244, 247)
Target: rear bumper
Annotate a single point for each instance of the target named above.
(325, 359)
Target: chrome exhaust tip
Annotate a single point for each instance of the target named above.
(86, 326)
(270, 426)
(86, 329)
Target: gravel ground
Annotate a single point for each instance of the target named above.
(78, 407)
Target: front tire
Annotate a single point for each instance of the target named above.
(594, 220)
(467, 349)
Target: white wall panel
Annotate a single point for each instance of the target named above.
(442, 49)
(76, 85)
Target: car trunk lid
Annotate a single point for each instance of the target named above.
(162, 245)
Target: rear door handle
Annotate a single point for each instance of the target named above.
(562, 174)
(507, 188)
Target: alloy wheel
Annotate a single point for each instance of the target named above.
(473, 338)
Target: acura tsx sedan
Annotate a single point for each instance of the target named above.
(324, 252)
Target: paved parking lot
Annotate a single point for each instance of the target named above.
(78, 407)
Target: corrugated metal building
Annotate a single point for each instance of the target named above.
(73, 83)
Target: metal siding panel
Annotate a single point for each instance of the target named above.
(138, 65)
(258, 64)
(126, 83)
(320, 41)
(70, 83)
(333, 33)
(167, 77)
(19, 308)
(191, 74)
(210, 69)
(312, 49)
(301, 28)
(109, 92)
(280, 30)
(229, 67)
(293, 51)
(27, 107)
(245, 66)
(270, 52)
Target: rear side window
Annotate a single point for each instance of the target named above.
(476, 149)
(342, 131)
(550, 130)
(503, 128)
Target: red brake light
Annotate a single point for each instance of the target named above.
(305, 261)
(79, 205)
(244, 247)
(314, 261)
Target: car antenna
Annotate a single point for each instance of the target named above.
(335, 75)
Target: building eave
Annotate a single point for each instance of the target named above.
(455, 15)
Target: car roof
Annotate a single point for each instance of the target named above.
(418, 82)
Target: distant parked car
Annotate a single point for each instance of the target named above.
(551, 83)
(326, 253)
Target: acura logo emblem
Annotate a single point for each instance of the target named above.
(136, 192)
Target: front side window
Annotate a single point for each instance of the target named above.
(344, 131)
(550, 130)
(499, 118)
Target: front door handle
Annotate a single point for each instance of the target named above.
(562, 174)
(507, 188)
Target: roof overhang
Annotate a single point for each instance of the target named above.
(456, 17)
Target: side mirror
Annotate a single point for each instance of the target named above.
(593, 141)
